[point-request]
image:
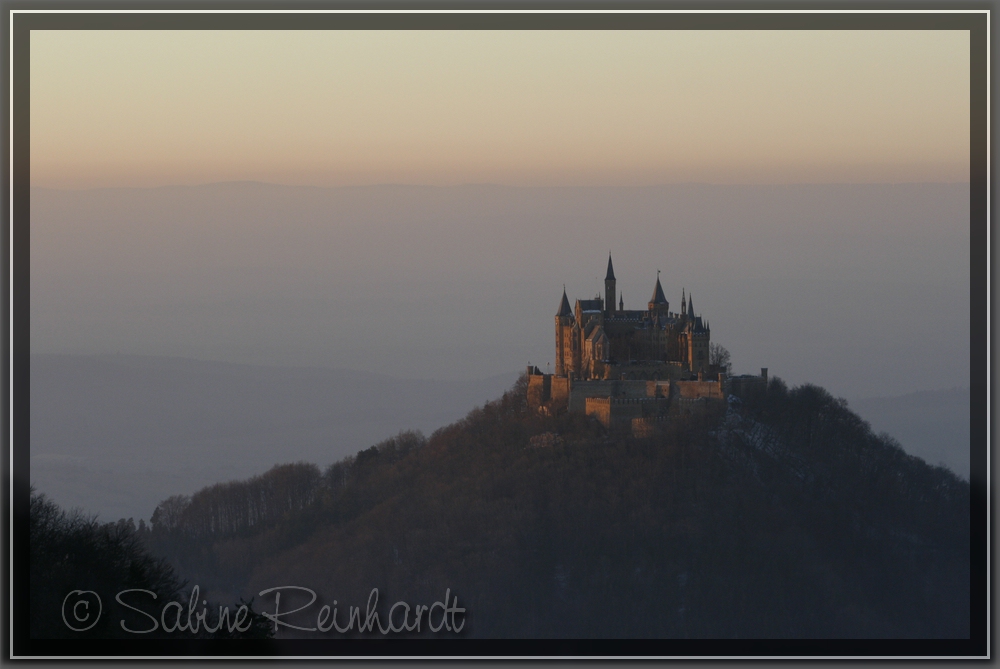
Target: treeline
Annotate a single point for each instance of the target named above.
(281, 493)
(240, 506)
(781, 515)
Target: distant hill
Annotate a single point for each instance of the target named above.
(779, 516)
(117, 434)
(933, 425)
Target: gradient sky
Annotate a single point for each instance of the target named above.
(329, 108)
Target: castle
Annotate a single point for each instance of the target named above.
(637, 365)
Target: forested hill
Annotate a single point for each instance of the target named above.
(781, 516)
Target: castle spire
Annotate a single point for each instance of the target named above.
(564, 308)
(683, 303)
(690, 307)
(658, 296)
(609, 289)
(659, 301)
(621, 302)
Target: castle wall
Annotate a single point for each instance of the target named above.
(610, 410)
(547, 389)
(694, 390)
(653, 370)
(741, 386)
(658, 389)
(539, 389)
(581, 390)
(559, 392)
(599, 408)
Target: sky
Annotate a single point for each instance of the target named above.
(518, 108)
(410, 204)
(567, 122)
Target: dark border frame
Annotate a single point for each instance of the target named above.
(16, 482)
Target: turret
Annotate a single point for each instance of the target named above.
(658, 301)
(698, 337)
(683, 304)
(564, 320)
(609, 288)
(564, 308)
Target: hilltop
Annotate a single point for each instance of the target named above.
(781, 516)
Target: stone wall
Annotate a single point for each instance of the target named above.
(599, 408)
(610, 410)
(560, 390)
(649, 370)
(743, 385)
(693, 390)
(581, 390)
(548, 390)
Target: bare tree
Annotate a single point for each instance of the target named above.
(719, 356)
(167, 515)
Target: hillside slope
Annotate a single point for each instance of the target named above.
(783, 516)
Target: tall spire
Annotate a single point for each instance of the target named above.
(658, 296)
(690, 307)
(683, 303)
(564, 308)
(609, 289)
(621, 302)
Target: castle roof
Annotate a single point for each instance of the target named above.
(590, 305)
(590, 328)
(564, 309)
(658, 296)
(597, 334)
(611, 270)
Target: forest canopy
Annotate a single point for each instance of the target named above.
(778, 515)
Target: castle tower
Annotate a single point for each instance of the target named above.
(698, 340)
(683, 304)
(564, 321)
(699, 337)
(659, 302)
(609, 288)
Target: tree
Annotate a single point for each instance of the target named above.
(79, 567)
(719, 356)
(167, 515)
(72, 553)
